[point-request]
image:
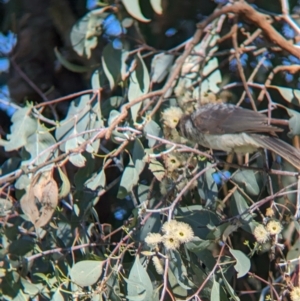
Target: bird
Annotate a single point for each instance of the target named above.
(229, 128)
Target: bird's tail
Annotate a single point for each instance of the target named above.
(281, 148)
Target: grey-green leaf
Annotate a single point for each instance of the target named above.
(154, 129)
(86, 272)
(113, 61)
(294, 123)
(247, 179)
(160, 66)
(139, 286)
(139, 84)
(243, 263)
(23, 126)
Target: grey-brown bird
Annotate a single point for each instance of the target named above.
(229, 128)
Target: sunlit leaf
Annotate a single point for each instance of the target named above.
(86, 272)
(5, 206)
(97, 182)
(160, 66)
(294, 122)
(156, 5)
(23, 126)
(158, 169)
(84, 34)
(133, 8)
(290, 95)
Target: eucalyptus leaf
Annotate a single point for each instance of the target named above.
(157, 169)
(130, 178)
(113, 61)
(157, 6)
(139, 283)
(68, 65)
(247, 179)
(198, 218)
(23, 126)
(160, 66)
(133, 8)
(85, 32)
(290, 95)
(86, 272)
(5, 206)
(179, 270)
(139, 84)
(154, 129)
(66, 186)
(98, 181)
(243, 263)
(294, 122)
(229, 289)
(138, 156)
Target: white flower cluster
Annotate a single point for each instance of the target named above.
(175, 233)
(262, 233)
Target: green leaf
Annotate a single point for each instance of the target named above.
(154, 129)
(198, 218)
(29, 288)
(10, 165)
(138, 156)
(179, 270)
(133, 8)
(139, 286)
(175, 287)
(207, 187)
(82, 116)
(23, 126)
(229, 289)
(247, 179)
(57, 296)
(21, 247)
(156, 5)
(5, 207)
(39, 145)
(294, 122)
(98, 181)
(243, 263)
(68, 65)
(238, 205)
(76, 159)
(113, 61)
(86, 272)
(85, 32)
(157, 169)
(215, 291)
(139, 84)
(129, 179)
(290, 95)
(65, 186)
(160, 66)
(111, 104)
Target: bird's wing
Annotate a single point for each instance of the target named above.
(225, 119)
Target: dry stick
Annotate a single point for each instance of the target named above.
(240, 67)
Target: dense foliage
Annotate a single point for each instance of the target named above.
(103, 199)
